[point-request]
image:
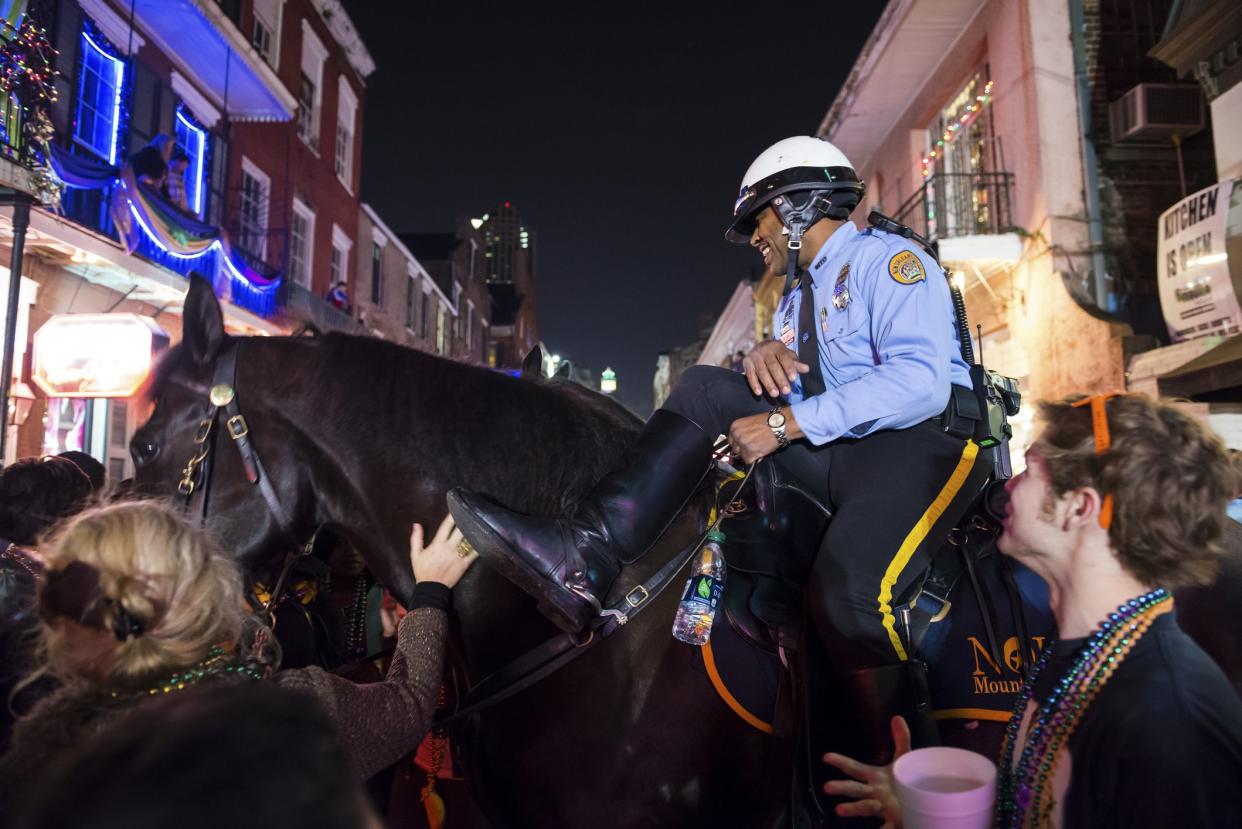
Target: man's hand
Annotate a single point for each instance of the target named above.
(770, 367)
(750, 438)
(872, 786)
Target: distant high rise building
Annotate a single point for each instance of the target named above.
(509, 266)
(509, 246)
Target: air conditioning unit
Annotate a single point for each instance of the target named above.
(1157, 111)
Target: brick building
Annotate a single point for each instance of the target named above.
(455, 262)
(397, 297)
(294, 201)
(264, 98)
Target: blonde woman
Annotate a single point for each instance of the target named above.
(139, 604)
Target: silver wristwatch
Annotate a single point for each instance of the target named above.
(776, 422)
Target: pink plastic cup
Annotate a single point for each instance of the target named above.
(945, 788)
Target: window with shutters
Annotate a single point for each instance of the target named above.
(100, 81)
(301, 244)
(377, 275)
(256, 190)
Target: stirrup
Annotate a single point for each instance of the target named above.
(586, 596)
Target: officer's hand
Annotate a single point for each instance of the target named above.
(751, 438)
(770, 367)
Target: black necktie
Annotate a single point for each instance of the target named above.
(808, 342)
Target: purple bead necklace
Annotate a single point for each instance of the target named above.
(1022, 788)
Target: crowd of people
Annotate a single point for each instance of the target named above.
(113, 611)
(128, 640)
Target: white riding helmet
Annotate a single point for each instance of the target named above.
(803, 163)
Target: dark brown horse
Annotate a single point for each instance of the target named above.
(363, 437)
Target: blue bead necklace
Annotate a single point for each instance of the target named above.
(1022, 787)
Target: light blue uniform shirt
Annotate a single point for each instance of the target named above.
(888, 346)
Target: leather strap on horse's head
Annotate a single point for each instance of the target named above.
(196, 477)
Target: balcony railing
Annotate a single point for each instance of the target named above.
(91, 208)
(301, 304)
(12, 141)
(950, 205)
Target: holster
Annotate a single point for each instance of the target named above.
(961, 416)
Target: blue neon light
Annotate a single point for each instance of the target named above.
(97, 70)
(214, 246)
(198, 153)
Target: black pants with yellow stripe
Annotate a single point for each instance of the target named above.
(894, 495)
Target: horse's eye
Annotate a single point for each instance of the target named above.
(144, 452)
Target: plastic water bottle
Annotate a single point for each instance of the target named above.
(693, 623)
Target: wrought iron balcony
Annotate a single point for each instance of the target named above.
(12, 125)
(92, 210)
(952, 205)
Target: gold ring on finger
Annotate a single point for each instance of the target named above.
(464, 549)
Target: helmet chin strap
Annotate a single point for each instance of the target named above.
(798, 218)
(794, 250)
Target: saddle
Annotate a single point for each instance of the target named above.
(772, 534)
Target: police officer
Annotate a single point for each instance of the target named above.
(848, 398)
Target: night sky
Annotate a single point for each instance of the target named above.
(619, 132)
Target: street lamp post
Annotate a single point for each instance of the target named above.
(21, 220)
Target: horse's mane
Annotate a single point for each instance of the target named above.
(558, 437)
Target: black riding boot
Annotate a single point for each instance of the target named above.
(879, 694)
(568, 563)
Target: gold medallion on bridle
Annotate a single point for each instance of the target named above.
(221, 394)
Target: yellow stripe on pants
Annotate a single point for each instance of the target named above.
(916, 537)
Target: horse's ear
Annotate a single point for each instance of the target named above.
(203, 332)
(562, 371)
(532, 366)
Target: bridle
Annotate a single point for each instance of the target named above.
(195, 484)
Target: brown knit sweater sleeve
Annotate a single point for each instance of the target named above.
(382, 721)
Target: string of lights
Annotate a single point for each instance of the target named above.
(953, 130)
(27, 64)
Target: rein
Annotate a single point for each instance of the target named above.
(546, 659)
(196, 476)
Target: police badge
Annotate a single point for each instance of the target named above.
(841, 291)
(906, 268)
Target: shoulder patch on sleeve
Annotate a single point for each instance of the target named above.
(906, 268)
